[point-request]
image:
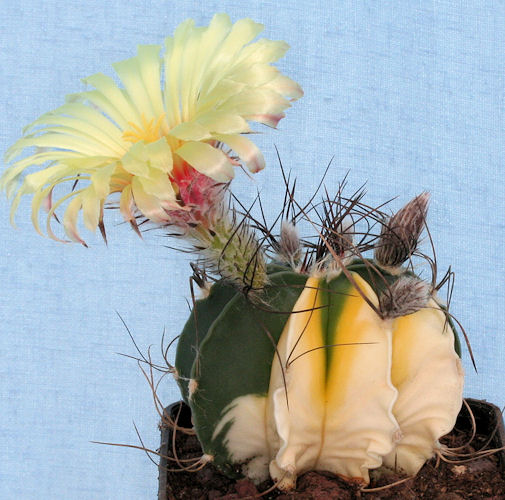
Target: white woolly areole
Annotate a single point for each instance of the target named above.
(204, 290)
(192, 387)
(206, 458)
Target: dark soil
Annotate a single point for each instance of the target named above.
(479, 479)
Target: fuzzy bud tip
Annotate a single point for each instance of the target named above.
(406, 296)
(289, 249)
(399, 235)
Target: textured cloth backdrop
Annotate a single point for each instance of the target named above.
(405, 95)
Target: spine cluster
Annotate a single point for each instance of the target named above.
(230, 249)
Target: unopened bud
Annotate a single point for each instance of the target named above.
(399, 235)
(289, 245)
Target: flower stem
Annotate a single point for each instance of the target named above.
(231, 249)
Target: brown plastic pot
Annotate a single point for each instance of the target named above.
(181, 413)
(488, 418)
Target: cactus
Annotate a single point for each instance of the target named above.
(345, 364)
(323, 358)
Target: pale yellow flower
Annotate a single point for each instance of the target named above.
(174, 116)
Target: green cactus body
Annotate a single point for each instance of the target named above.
(311, 377)
(226, 351)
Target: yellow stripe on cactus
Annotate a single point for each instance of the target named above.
(333, 416)
(429, 377)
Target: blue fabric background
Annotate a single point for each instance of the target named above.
(407, 95)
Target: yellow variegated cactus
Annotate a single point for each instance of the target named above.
(321, 359)
(346, 364)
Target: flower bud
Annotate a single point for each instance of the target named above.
(289, 244)
(399, 235)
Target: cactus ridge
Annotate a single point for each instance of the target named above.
(235, 354)
(381, 281)
(204, 313)
(332, 306)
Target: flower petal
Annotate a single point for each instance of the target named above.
(9, 179)
(220, 122)
(263, 51)
(149, 63)
(158, 184)
(100, 180)
(113, 95)
(91, 209)
(101, 102)
(255, 75)
(268, 119)
(78, 127)
(248, 152)
(39, 199)
(159, 154)
(70, 220)
(242, 32)
(89, 115)
(126, 204)
(256, 102)
(148, 204)
(207, 160)
(211, 42)
(130, 73)
(81, 144)
(285, 86)
(135, 161)
(174, 65)
(191, 131)
(49, 176)
(189, 89)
